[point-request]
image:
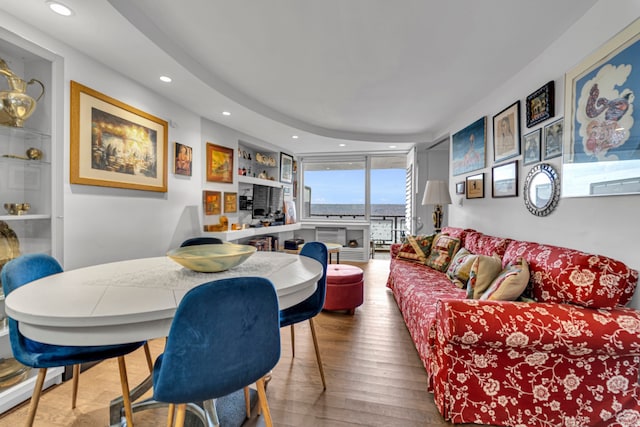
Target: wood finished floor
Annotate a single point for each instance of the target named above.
(374, 375)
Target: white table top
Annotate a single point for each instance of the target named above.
(135, 300)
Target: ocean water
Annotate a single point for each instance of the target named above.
(357, 209)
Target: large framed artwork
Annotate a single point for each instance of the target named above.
(602, 133)
(114, 144)
(506, 133)
(540, 104)
(219, 163)
(468, 147)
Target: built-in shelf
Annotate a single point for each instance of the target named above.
(25, 217)
(260, 181)
(18, 393)
(250, 232)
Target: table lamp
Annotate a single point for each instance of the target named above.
(436, 193)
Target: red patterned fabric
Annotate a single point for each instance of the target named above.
(483, 244)
(457, 232)
(535, 364)
(570, 276)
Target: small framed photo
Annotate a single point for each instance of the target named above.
(230, 202)
(553, 139)
(504, 180)
(475, 186)
(183, 158)
(531, 147)
(286, 168)
(506, 133)
(211, 202)
(540, 105)
(460, 187)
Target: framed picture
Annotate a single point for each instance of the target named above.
(531, 147)
(540, 105)
(506, 133)
(475, 186)
(211, 202)
(504, 180)
(286, 168)
(230, 202)
(602, 138)
(468, 147)
(183, 156)
(460, 187)
(219, 163)
(553, 139)
(114, 144)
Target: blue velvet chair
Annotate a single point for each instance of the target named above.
(201, 241)
(309, 308)
(34, 354)
(224, 336)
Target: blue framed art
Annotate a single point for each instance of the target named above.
(602, 135)
(468, 148)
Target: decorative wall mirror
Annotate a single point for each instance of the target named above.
(542, 190)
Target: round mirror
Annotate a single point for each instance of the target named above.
(542, 189)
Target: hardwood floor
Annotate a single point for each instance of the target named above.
(374, 376)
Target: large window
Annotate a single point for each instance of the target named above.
(359, 188)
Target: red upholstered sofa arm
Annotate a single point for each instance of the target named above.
(394, 249)
(547, 327)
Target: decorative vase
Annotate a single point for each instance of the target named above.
(17, 105)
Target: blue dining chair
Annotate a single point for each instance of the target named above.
(224, 336)
(30, 267)
(201, 241)
(309, 308)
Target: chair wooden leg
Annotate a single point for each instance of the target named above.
(264, 405)
(247, 401)
(126, 397)
(170, 412)
(147, 353)
(182, 411)
(293, 342)
(315, 344)
(35, 398)
(76, 379)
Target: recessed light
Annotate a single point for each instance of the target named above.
(295, 137)
(226, 113)
(393, 146)
(166, 79)
(342, 145)
(60, 8)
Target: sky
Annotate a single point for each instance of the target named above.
(347, 186)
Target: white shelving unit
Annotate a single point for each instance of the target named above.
(25, 178)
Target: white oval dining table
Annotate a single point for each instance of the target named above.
(135, 300)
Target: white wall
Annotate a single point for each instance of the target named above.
(110, 224)
(605, 225)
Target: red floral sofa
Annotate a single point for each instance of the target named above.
(569, 356)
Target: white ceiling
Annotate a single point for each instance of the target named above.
(365, 73)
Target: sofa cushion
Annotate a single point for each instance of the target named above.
(510, 283)
(483, 271)
(460, 267)
(442, 251)
(479, 243)
(571, 276)
(416, 248)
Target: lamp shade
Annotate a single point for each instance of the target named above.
(436, 193)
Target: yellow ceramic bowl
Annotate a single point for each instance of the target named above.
(211, 258)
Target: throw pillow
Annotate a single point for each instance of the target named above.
(442, 251)
(460, 267)
(510, 283)
(483, 271)
(416, 248)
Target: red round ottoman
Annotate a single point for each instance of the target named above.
(344, 287)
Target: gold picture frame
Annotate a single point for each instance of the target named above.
(230, 202)
(211, 202)
(114, 144)
(219, 163)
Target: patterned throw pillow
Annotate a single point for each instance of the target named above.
(460, 267)
(510, 283)
(483, 271)
(442, 250)
(416, 248)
